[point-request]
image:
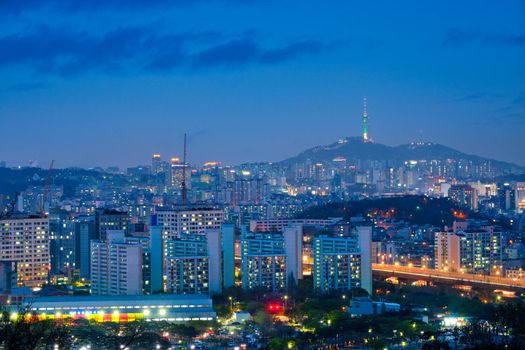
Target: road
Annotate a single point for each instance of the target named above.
(431, 274)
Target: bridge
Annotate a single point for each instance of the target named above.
(421, 273)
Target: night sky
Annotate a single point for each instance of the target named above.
(110, 82)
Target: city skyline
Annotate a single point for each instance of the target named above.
(234, 75)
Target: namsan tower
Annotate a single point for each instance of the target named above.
(365, 117)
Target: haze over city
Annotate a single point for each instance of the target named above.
(262, 175)
(112, 82)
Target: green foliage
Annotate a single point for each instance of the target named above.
(419, 210)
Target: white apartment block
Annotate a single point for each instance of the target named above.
(191, 221)
(26, 242)
(116, 266)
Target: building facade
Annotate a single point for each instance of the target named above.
(271, 260)
(26, 242)
(116, 266)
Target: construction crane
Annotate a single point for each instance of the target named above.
(46, 188)
(184, 190)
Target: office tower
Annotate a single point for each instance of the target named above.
(110, 220)
(271, 260)
(464, 195)
(179, 170)
(116, 266)
(228, 255)
(26, 242)
(156, 164)
(364, 235)
(469, 248)
(337, 263)
(62, 241)
(193, 264)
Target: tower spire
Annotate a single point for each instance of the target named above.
(365, 117)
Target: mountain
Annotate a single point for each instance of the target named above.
(355, 150)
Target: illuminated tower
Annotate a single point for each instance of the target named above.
(365, 117)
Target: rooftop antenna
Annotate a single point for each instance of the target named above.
(184, 190)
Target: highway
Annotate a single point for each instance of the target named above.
(459, 277)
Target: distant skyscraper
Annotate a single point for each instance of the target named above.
(156, 164)
(464, 195)
(365, 119)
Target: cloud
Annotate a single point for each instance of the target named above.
(504, 39)
(64, 52)
(17, 7)
(458, 37)
(470, 97)
(23, 87)
(455, 36)
(474, 97)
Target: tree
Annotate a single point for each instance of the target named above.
(23, 331)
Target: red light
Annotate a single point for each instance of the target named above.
(274, 308)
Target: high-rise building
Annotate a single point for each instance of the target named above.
(228, 255)
(85, 232)
(188, 220)
(112, 220)
(26, 242)
(116, 266)
(271, 260)
(364, 236)
(179, 170)
(193, 264)
(343, 263)
(464, 195)
(337, 263)
(62, 241)
(469, 248)
(520, 196)
(156, 164)
(506, 197)
(152, 259)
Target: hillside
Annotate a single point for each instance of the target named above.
(353, 149)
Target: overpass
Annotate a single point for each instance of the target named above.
(420, 273)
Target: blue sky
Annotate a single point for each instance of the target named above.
(110, 82)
